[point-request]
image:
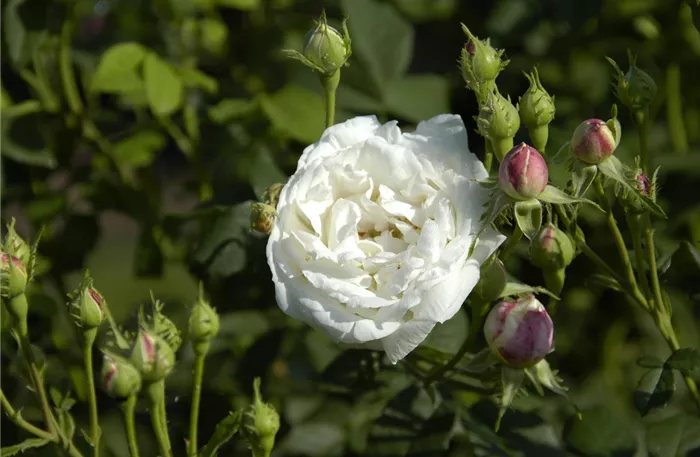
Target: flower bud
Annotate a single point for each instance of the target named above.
(643, 184)
(120, 379)
(635, 89)
(523, 173)
(15, 246)
(480, 64)
(87, 306)
(593, 141)
(498, 121)
(552, 248)
(326, 48)
(492, 281)
(272, 194)
(152, 356)
(203, 323)
(262, 217)
(519, 332)
(260, 424)
(14, 276)
(537, 110)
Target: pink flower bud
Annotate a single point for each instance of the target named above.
(643, 184)
(523, 173)
(593, 141)
(519, 332)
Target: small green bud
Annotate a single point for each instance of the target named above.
(260, 424)
(152, 356)
(262, 217)
(537, 110)
(635, 89)
(480, 64)
(13, 281)
(325, 49)
(16, 246)
(552, 248)
(203, 324)
(120, 379)
(492, 281)
(272, 195)
(498, 121)
(87, 305)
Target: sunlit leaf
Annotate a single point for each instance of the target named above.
(164, 88)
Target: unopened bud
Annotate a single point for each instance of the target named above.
(492, 281)
(480, 64)
(643, 184)
(519, 332)
(326, 48)
(152, 356)
(260, 424)
(593, 141)
(14, 276)
(635, 89)
(120, 379)
(498, 121)
(272, 195)
(15, 245)
(262, 217)
(552, 248)
(203, 324)
(537, 110)
(87, 305)
(523, 173)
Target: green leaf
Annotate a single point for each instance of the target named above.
(297, 112)
(139, 149)
(600, 431)
(686, 360)
(349, 98)
(118, 69)
(449, 336)
(694, 252)
(427, 10)
(649, 361)
(264, 171)
(25, 445)
(558, 197)
(245, 5)
(315, 439)
(381, 39)
(191, 77)
(515, 287)
(221, 251)
(674, 436)
(418, 97)
(229, 109)
(511, 380)
(164, 88)
(21, 143)
(655, 389)
(528, 215)
(224, 431)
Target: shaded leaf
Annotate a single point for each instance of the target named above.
(139, 149)
(686, 360)
(655, 389)
(314, 439)
(296, 111)
(528, 215)
(191, 77)
(229, 109)
(164, 88)
(673, 436)
(449, 336)
(558, 197)
(600, 431)
(224, 431)
(418, 97)
(25, 445)
(117, 71)
(149, 260)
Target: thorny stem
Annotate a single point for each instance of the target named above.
(89, 336)
(156, 406)
(634, 224)
(128, 407)
(196, 395)
(330, 84)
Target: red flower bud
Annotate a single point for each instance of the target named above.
(523, 173)
(593, 141)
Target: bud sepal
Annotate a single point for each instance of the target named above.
(260, 424)
(325, 49)
(537, 110)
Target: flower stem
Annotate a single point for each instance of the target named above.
(330, 84)
(488, 156)
(196, 396)
(511, 244)
(642, 120)
(634, 224)
(19, 421)
(156, 405)
(128, 407)
(674, 109)
(89, 339)
(70, 88)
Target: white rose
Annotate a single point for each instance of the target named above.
(374, 230)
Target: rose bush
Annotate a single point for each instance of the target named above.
(372, 243)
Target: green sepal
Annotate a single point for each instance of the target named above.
(511, 381)
(555, 196)
(614, 169)
(528, 216)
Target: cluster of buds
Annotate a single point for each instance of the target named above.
(537, 111)
(498, 122)
(480, 64)
(519, 332)
(325, 49)
(203, 324)
(260, 424)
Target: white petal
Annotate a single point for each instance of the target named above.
(444, 299)
(406, 338)
(431, 241)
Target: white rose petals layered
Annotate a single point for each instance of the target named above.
(372, 240)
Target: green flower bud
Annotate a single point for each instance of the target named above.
(552, 248)
(272, 194)
(537, 110)
(15, 246)
(260, 424)
(13, 281)
(262, 217)
(120, 379)
(480, 64)
(492, 282)
(325, 49)
(635, 89)
(498, 121)
(152, 356)
(203, 324)
(87, 305)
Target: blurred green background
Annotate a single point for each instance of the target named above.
(141, 160)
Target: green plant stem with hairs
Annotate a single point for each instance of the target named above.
(196, 396)
(156, 407)
(88, 341)
(128, 407)
(330, 84)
